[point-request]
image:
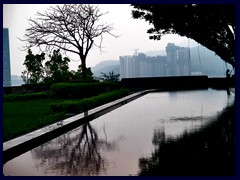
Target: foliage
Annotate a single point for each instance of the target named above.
(80, 90)
(79, 76)
(25, 97)
(212, 25)
(24, 76)
(69, 27)
(57, 69)
(77, 106)
(34, 72)
(110, 77)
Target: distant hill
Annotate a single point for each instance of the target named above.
(106, 67)
(206, 61)
(187, 43)
(202, 60)
(156, 53)
(113, 65)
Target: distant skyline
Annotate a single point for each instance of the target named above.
(132, 34)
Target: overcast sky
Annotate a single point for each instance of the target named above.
(132, 34)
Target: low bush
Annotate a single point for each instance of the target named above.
(77, 106)
(25, 97)
(81, 90)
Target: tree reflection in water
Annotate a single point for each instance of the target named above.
(75, 153)
(210, 151)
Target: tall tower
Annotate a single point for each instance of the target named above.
(178, 60)
(6, 59)
(172, 59)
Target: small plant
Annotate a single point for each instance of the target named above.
(111, 77)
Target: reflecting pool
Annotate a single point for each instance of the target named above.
(161, 133)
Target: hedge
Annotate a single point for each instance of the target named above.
(81, 90)
(78, 106)
(25, 97)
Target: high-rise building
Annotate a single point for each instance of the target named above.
(6, 59)
(178, 60)
(184, 61)
(126, 66)
(140, 65)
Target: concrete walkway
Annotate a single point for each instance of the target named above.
(24, 143)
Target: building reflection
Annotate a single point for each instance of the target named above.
(209, 151)
(74, 153)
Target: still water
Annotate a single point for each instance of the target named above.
(161, 133)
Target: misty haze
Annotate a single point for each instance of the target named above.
(119, 90)
(201, 62)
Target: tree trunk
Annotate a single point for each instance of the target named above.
(84, 68)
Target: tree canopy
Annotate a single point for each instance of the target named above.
(212, 25)
(54, 70)
(57, 68)
(34, 68)
(69, 27)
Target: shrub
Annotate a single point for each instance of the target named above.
(77, 106)
(25, 97)
(81, 90)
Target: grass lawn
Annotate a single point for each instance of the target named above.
(20, 117)
(23, 114)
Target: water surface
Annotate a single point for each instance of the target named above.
(138, 138)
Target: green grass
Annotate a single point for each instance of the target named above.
(23, 116)
(20, 117)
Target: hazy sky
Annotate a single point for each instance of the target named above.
(132, 34)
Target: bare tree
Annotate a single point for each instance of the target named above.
(70, 27)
